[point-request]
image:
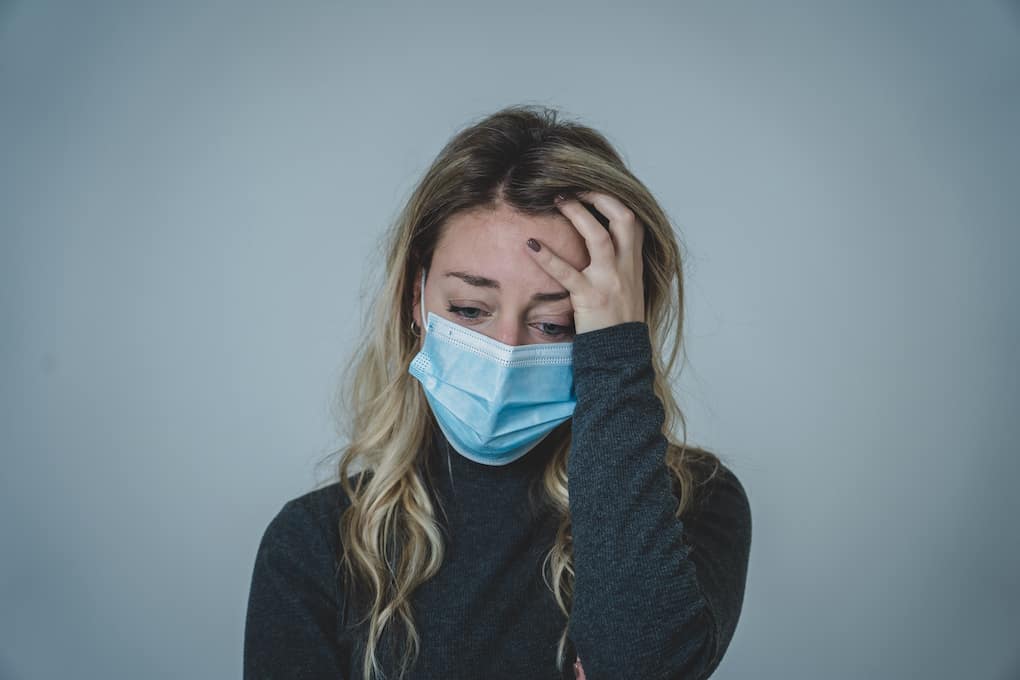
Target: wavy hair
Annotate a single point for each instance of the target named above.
(520, 156)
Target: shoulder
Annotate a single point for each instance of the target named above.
(295, 604)
(727, 488)
(309, 520)
(722, 502)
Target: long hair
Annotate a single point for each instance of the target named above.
(522, 157)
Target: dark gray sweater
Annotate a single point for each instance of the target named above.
(655, 598)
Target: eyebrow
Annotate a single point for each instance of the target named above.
(484, 282)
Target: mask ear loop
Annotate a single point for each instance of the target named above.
(424, 319)
(415, 331)
(424, 323)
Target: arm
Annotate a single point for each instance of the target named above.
(292, 619)
(654, 597)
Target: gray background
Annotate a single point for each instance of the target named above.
(192, 194)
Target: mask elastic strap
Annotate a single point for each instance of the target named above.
(424, 323)
(424, 319)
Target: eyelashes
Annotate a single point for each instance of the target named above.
(550, 330)
(454, 309)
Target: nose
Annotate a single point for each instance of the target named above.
(509, 332)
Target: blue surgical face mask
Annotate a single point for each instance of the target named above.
(494, 402)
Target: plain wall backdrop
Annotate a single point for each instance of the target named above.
(192, 195)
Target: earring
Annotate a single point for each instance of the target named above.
(414, 329)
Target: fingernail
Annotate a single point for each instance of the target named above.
(559, 198)
(533, 244)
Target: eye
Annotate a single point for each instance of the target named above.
(549, 330)
(553, 330)
(469, 313)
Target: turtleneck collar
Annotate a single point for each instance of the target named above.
(455, 474)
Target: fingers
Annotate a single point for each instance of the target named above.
(609, 290)
(598, 240)
(558, 268)
(623, 223)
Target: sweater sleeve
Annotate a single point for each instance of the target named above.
(292, 618)
(654, 597)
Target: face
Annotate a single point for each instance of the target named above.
(481, 278)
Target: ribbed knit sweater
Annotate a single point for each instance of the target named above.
(655, 597)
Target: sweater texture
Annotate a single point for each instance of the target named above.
(655, 597)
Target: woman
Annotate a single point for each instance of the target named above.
(522, 509)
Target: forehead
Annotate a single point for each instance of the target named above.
(491, 242)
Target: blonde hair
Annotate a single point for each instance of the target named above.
(520, 156)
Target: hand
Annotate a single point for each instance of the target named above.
(578, 669)
(610, 290)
